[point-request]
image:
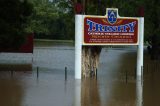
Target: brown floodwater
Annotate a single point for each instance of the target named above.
(116, 85)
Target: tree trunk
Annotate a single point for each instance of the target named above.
(90, 60)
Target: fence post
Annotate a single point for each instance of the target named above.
(37, 72)
(65, 73)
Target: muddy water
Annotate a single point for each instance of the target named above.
(115, 86)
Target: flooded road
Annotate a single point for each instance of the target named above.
(20, 85)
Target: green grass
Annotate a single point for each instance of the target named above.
(48, 42)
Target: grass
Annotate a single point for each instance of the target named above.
(48, 42)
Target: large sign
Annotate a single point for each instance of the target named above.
(110, 30)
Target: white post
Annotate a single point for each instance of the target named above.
(78, 45)
(139, 82)
(140, 48)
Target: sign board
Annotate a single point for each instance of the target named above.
(110, 29)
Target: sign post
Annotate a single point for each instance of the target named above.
(78, 45)
(110, 29)
(140, 48)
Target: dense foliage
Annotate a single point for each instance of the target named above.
(52, 19)
(13, 19)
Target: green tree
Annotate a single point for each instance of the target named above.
(152, 27)
(44, 13)
(51, 19)
(13, 19)
(66, 13)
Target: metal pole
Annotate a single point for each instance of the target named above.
(140, 47)
(37, 72)
(32, 56)
(65, 73)
(78, 45)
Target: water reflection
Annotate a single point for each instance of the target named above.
(16, 67)
(112, 77)
(151, 90)
(139, 91)
(77, 97)
(15, 70)
(90, 93)
(11, 92)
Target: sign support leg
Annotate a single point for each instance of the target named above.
(78, 45)
(140, 49)
(139, 82)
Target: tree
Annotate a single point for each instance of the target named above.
(14, 16)
(43, 14)
(66, 13)
(153, 27)
(52, 19)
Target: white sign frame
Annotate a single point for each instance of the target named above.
(79, 31)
